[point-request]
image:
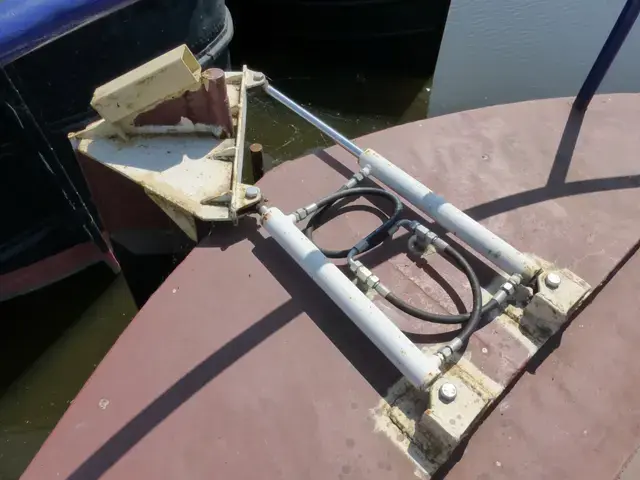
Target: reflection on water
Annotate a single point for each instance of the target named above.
(496, 52)
(51, 342)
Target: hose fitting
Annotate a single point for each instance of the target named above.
(507, 289)
(302, 213)
(365, 276)
(357, 177)
(423, 237)
(449, 349)
(408, 224)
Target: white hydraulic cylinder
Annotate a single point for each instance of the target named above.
(419, 368)
(489, 245)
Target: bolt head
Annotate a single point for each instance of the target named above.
(448, 392)
(552, 280)
(509, 289)
(252, 192)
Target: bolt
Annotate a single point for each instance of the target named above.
(251, 192)
(257, 76)
(448, 392)
(552, 280)
(508, 288)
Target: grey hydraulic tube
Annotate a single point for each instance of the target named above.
(419, 368)
(336, 136)
(454, 220)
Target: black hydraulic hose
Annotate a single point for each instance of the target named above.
(471, 320)
(476, 294)
(375, 237)
(445, 319)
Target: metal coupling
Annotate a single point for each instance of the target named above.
(302, 213)
(408, 224)
(507, 289)
(366, 277)
(439, 244)
(352, 182)
(423, 237)
(363, 273)
(423, 234)
(372, 282)
(358, 177)
(443, 355)
(515, 279)
(382, 290)
(500, 297)
(362, 174)
(355, 265)
(446, 352)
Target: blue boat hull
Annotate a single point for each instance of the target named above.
(46, 206)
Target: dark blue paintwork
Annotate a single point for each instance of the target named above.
(27, 24)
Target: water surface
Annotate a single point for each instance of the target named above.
(51, 342)
(498, 51)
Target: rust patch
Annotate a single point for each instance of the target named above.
(209, 105)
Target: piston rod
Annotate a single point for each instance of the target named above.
(336, 136)
(489, 245)
(419, 368)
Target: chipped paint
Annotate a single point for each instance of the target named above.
(402, 415)
(397, 432)
(184, 164)
(425, 428)
(513, 328)
(549, 308)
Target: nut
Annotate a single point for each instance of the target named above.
(448, 392)
(355, 266)
(372, 281)
(552, 280)
(508, 288)
(252, 192)
(422, 232)
(363, 274)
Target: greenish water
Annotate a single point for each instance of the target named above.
(52, 340)
(355, 104)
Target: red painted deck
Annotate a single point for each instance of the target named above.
(577, 415)
(239, 366)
